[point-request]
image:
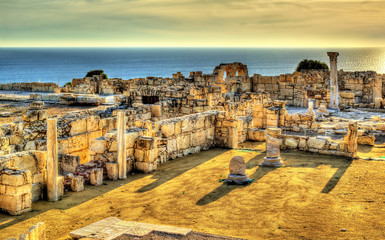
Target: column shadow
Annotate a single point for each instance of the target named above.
(225, 188)
(294, 161)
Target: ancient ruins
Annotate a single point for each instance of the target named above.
(138, 124)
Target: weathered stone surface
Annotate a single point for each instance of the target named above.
(366, 140)
(237, 166)
(77, 183)
(316, 143)
(291, 143)
(96, 176)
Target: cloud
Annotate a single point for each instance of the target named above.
(193, 22)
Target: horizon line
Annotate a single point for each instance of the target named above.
(218, 47)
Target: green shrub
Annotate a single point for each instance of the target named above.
(68, 84)
(97, 72)
(307, 64)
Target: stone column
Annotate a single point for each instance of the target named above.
(52, 160)
(350, 140)
(273, 156)
(122, 155)
(333, 80)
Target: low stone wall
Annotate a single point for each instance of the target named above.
(31, 87)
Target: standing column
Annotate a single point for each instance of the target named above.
(122, 158)
(333, 80)
(52, 160)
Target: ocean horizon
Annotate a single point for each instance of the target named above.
(64, 64)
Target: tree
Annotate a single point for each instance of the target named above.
(97, 72)
(307, 64)
(68, 84)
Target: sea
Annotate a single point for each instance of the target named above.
(61, 65)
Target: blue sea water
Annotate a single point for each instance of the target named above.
(51, 64)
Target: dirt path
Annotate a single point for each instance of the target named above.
(312, 197)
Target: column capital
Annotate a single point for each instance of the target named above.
(333, 55)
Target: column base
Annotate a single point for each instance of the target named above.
(237, 179)
(272, 162)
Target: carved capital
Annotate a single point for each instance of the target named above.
(333, 56)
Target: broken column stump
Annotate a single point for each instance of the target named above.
(273, 156)
(15, 191)
(77, 183)
(96, 177)
(237, 170)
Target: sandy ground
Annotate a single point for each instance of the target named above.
(312, 197)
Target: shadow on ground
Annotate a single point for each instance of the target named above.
(292, 160)
(184, 164)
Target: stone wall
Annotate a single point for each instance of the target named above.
(31, 87)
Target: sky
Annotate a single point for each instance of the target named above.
(192, 23)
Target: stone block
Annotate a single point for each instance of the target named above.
(16, 205)
(36, 191)
(112, 170)
(96, 176)
(146, 143)
(98, 145)
(68, 163)
(16, 139)
(77, 183)
(316, 143)
(291, 143)
(366, 140)
(198, 138)
(168, 129)
(131, 139)
(31, 145)
(146, 167)
(78, 127)
(15, 180)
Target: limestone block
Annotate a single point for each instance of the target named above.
(68, 163)
(146, 143)
(96, 176)
(98, 145)
(16, 205)
(150, 155)
(139, 155)
(77, 184)
(146, 167)
(187, 125)
(366, 140)
(256, 135)
(38, 178)
(156, 111)
(381, 127)
(36, 191)
(171, 145)
(200, 123)
(131, 139)
(113, 147)
(183, 141)
(16, 139)
(199, 138)
(60, 187)
(232, 141)
(168, 129)
(21, 178)
(291, 143)
(316, 143)
(79, 126)
(92, 123)
(43, 115)
(4, 142)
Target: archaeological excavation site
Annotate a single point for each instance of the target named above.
(223, 155)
